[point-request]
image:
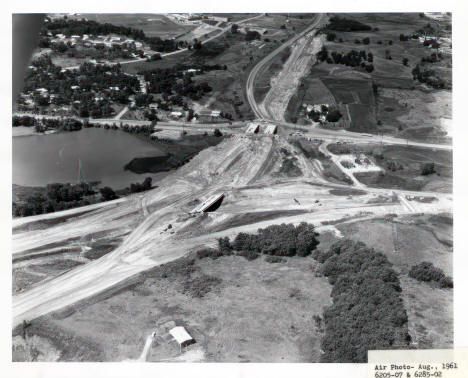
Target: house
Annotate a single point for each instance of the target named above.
(216, 113)
(175, 115)
(220, 19)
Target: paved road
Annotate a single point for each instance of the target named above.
(253, 74)
(239, 127)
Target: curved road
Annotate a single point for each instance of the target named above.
(266, 60)
(328, 135)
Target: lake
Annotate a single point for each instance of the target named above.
(39, 160)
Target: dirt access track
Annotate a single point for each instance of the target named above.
(248, 170)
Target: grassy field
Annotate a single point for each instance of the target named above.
(414, 114)
(407, 242)
(245, 311)
(399, 105)
(154, 25)
(237, 310)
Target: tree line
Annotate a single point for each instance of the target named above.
(58, 196)
(346, 25)
(70, 27)
(177, 81)
(353, 58)
(367, 311)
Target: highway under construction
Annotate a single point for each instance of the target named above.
(242, 175)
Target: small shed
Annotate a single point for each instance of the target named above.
(181, 336)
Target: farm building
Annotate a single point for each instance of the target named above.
(175, 115)
(182, 336)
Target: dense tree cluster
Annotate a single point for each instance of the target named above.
(56, 197)
(429, 77)
(334, 115)
(367, 311)
(276, 240)
(346, 25)
(331, 36)
(209, 50)
(89, 89)
(26, 121)
(427, 272)
(251, 35)
(43, 124)
(279, 240)
(428, 169)
(353, 58)
(70, 27)
(178, 81)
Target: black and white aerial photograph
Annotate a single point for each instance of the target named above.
(231, 187)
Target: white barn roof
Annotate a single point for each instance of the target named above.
(181, 335)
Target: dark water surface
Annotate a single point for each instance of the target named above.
(39, 160)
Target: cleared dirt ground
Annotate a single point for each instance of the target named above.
(109, 319)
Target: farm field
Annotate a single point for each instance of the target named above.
(387, 99)
(154, 25)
